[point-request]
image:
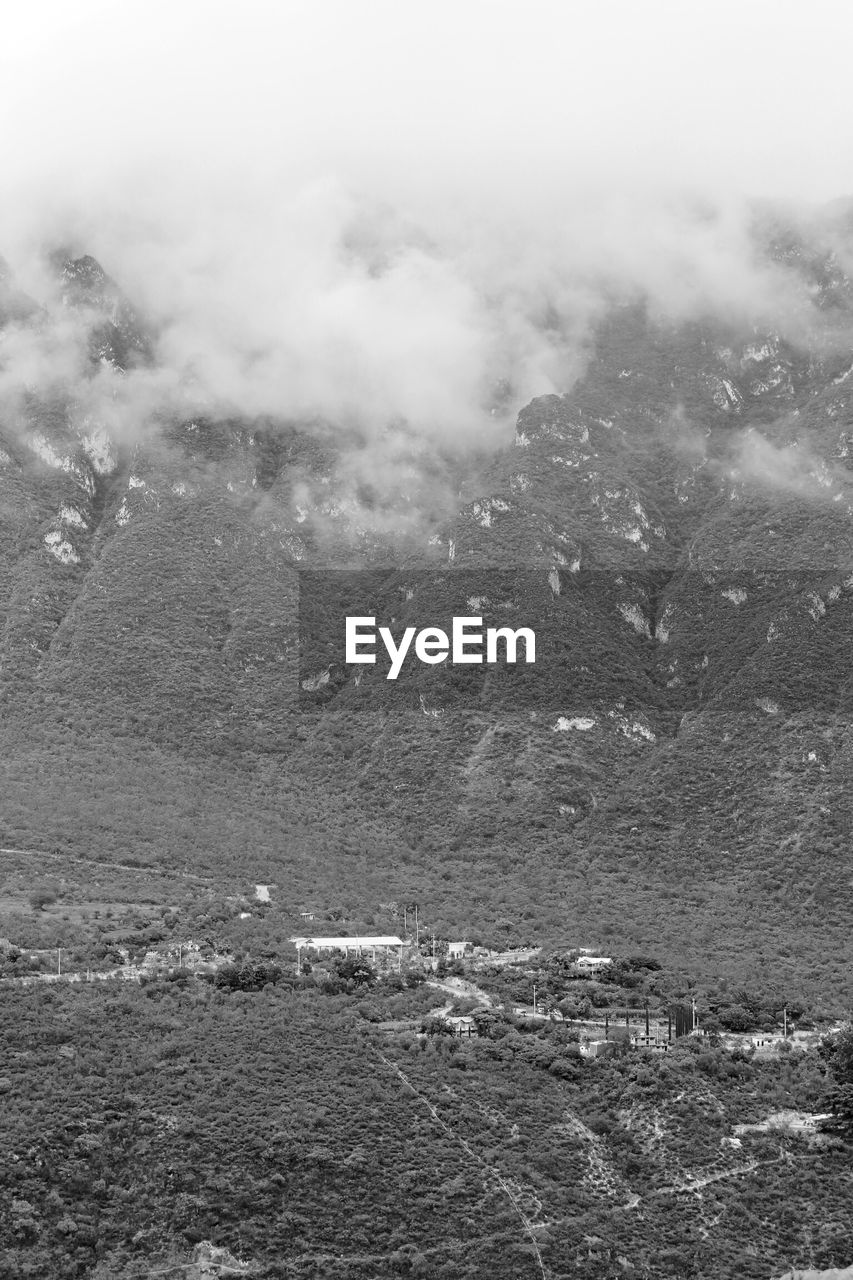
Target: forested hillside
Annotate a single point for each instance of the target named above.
(676, 529)
(291, 1129)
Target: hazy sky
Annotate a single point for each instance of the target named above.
(369, 206)
(751, 93)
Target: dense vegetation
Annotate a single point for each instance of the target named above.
(670, 787)
(137, 1121)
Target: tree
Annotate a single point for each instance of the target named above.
(247, 977)
(437, 1026)
(736, 1017)
(41, 898)
(355, 970)
(837, 1052)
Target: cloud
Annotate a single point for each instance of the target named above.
(317, 301)
(793, 468)
(376, 215)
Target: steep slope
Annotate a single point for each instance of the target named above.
(676, 529)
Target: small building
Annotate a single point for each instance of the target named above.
(768, 1045)
(602, 1048)
(593, 964)
(654, 1041)
(462, 1024)
(456, 950)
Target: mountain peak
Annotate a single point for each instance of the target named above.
(84, 280)
(119, 337)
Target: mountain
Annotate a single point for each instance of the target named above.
(670, 775)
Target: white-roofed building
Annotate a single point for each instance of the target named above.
(593, 964)
(358, 943)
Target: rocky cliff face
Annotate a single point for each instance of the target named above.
(676, 529)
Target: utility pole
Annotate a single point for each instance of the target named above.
(534, 999)
(693, 1024)
(433, 946)
(58, 960)
(417, 928)
(785, 1023)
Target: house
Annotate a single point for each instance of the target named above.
(456, 950)
(593, 964)
(601, 1048)
(459, 1025)
(463, 1025)
(653, 1042)
(768, 1045)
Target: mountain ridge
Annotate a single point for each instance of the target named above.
(678, 527)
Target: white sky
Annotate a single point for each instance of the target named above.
(750, 94)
